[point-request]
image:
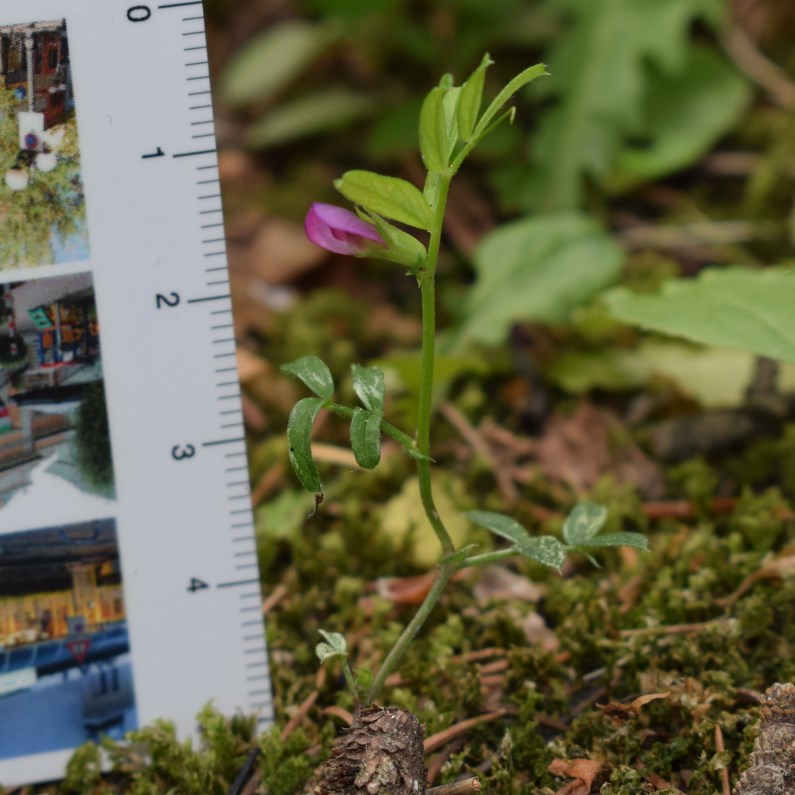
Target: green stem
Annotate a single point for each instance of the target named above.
(446, 571)
(488, 557)
(423, 441)
(425, 399)
(349, 680)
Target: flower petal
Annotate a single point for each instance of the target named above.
(339, 230)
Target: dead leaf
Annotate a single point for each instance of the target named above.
(619, 711)
(500, 584)
(405, 590)
(583, 771)
(582, 447)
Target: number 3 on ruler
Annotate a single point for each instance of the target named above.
(180, 453)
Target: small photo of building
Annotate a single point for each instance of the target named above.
(42, 208)
(65, 669)
(54, 438)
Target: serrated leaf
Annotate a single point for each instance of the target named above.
(272, 59)
(635, 540)
(601, 65)
(366, 437)
(543, 549)
(388, 196)
(433, 131)
(709, 92)
(314, 373)
(470, 98)
(496, 105)
(498, 523)
(368, 384)
(534, 269)
(299, 435)
(732, 307)
(584, 521)
(335, 646)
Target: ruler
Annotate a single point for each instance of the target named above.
(154, 605)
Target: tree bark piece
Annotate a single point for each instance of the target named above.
(381, 754)
(772, 770)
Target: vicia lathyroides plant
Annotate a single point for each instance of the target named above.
(452, 122)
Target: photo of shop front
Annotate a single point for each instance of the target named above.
(53, 426)
(65, 670)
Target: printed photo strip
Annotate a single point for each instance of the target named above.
(55, 452)
(65, 670)
(42, 207)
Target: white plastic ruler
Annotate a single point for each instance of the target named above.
(133, 595)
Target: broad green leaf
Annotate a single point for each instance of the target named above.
(534, 269)
(402, 247)
(470, 98)
(434, 145)
(368, 384)
(601, 64)
(299, 436)
(584, 521)
(730, 307)
(309, 115)
(366, 437)
(501, 525)
(273, 59)
(335, 646)
(709, 93)
(314, 373)
(521, 80)
(635, 540)
(388, 196)
(543, 549)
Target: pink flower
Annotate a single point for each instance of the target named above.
(339, 230)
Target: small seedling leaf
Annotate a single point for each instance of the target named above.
(501, 525)
(314, 373)
(366, 437)
(388, 196)
(635, 540)
(335, 646)
(433, 131)
(470, 99)
(299, 433)
(584, 521)
(543, 549)
(368, 384)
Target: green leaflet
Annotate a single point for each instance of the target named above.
(470, 98)
(314, 373)
(583, 522)
(543, 549)
(299, 435)
(434, 145)
(366, 437)
(368, 384)
(388, 196)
